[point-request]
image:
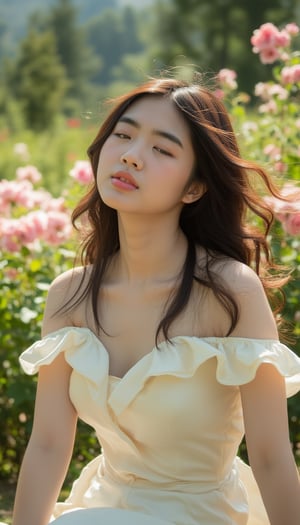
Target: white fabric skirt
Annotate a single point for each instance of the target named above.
(105, 516)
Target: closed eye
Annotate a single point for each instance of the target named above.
(122, 135)
(163, 151)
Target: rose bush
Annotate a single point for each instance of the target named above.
(36, 244)
(279, 131)
(270, 134)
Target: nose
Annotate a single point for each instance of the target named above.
(132, 160)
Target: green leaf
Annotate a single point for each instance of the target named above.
(35, 265)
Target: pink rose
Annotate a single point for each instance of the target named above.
(11, 273)
(280, 167)
(292, 29)
(268, 36)
(285, 207)
(227, 78)
(272, 151)
(270, 42)
(296, 73)
(219, 93)
(278, 91)
(283, 39)
(52, 227)
(10, 233)
(269, 107)
(16, 192)
(262, 90)
(82, 172)
(57, 204)
(59, 228)
(264, 37)
(292, 224)
(30, 173)
(267, 90)
(269, 55)
(37, 224)
(290, 75)
(286, 75)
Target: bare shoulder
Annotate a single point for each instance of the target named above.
(238, 277)
(235, 276)
(67, 282)
(62, 290)
(256, 319)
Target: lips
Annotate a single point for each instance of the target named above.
(124, 178)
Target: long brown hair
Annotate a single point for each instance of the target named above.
(219, 221)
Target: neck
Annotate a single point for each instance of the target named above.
(150, 251)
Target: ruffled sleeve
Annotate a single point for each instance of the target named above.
(239, 359)
(74, 342)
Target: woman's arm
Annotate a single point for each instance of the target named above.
(268, 445)
(49, 449)
(265, 412)
(51, 443)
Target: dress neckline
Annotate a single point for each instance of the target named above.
(162, 345)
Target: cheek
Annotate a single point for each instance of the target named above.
(181, 180)
(109, 149)
(105, 159)
(101, 168)
(104, 153)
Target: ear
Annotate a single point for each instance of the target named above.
(195, 191)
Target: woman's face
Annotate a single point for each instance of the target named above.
(146, 163)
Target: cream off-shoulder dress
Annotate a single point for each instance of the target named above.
(169, 429)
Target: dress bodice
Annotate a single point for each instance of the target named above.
(174, 422)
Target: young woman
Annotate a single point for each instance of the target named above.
(164, 340)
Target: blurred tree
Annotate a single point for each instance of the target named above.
(75, 55)
(3, 34)
(213, 35)
(112, 35)
(90, 8)
(38, 79)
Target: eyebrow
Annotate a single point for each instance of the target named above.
(159, 132)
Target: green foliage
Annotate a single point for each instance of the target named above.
(53, 152)
(25, 276)
(97, 41)
(113, 35)
(269, 134)
(38, 80)
(11, 116)
(71, 43)
(24, 279)
(76, 70)
(214, 35)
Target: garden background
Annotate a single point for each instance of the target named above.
(60, 61)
